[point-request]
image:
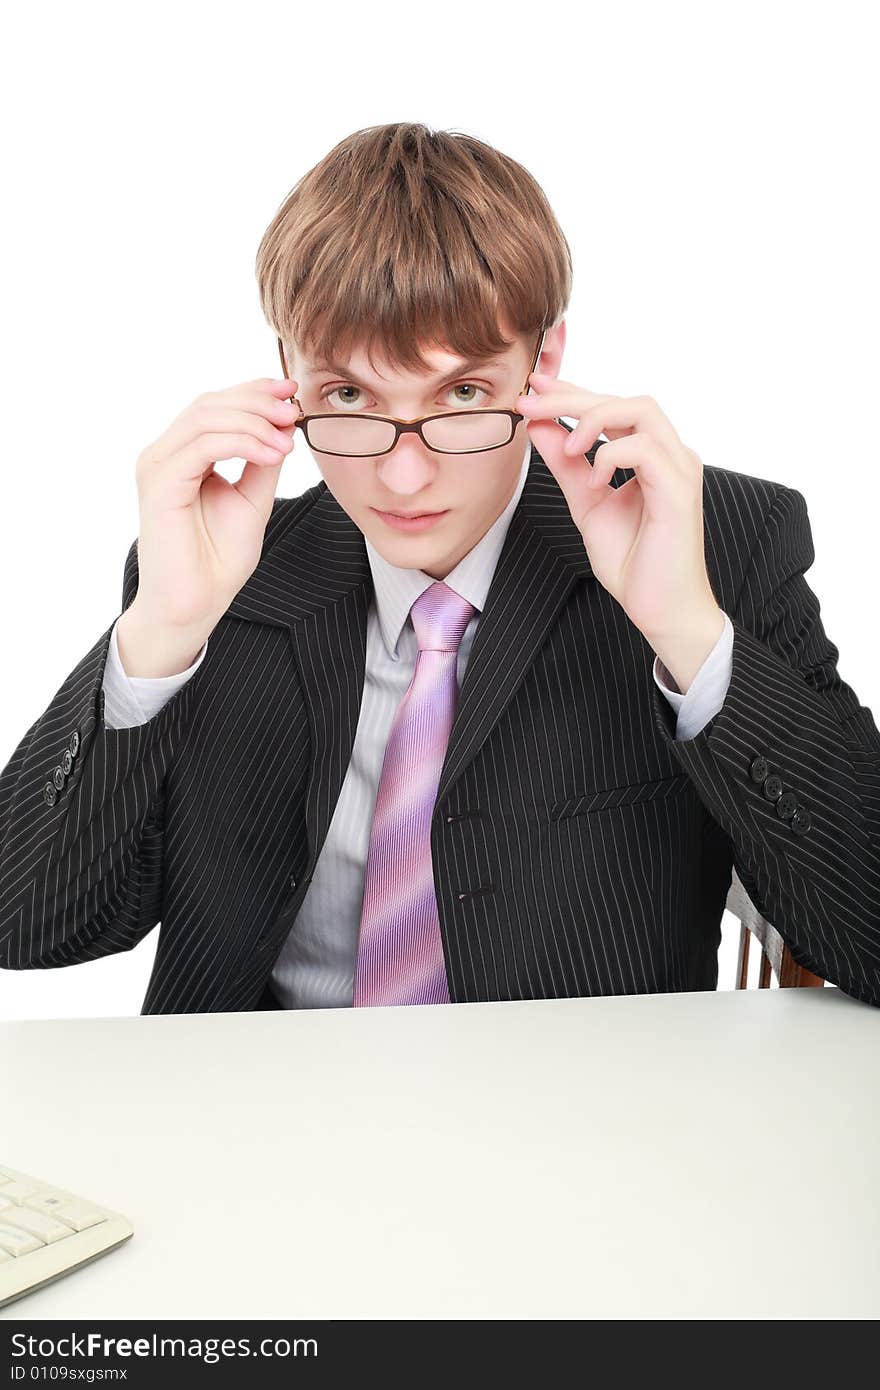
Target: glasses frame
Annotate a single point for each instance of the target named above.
(413, 426)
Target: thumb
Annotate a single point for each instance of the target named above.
(258, 484)
(572, 474)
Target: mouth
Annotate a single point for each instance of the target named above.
(415, 521)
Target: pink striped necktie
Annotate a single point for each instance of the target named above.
(400, 949)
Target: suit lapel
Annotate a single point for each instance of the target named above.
(315, 578)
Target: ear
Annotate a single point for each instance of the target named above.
(550, 359)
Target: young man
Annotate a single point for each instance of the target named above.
(510, 750)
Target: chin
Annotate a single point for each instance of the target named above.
(411, 552)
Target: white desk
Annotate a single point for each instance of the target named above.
(699, 1155)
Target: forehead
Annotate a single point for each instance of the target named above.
(441, 365)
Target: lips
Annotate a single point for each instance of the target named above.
(413, 521)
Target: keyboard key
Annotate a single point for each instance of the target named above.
(46, 1227)
(18, 1242)
(47, 1200)
(17, 1191)
(79, 1215)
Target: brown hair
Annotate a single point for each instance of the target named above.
(402, 235)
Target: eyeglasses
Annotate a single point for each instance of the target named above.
(365, 436)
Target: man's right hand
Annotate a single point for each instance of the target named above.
(200, 537)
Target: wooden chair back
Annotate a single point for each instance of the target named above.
(775, 955)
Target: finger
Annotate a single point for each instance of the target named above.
(640, 413)
(254, 396)
(280, 387)
(284, 388)
(258, 484)
(210, 417)
(192, 460)
(549, 404)
(535, 412)
(638, 452)
(253, 422)
(572, 475)
(545, 378)
(544, 385)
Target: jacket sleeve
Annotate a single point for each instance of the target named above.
(81, 820)
(789, 766)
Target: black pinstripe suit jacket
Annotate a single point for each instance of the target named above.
(578, 848)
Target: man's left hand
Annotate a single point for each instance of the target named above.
(645, 538)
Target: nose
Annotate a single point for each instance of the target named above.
(408, 468)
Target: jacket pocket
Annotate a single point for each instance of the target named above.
(603, 799)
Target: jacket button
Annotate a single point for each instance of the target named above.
(73, 745)
(800, 821)
(474, 892)
(292, 882)
(66, 762)
(58, 778)
(50, 796)
(759, 769)
(786, 805)
(773, 787)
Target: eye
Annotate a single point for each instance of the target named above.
(458, 386)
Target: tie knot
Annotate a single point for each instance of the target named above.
(439, 617)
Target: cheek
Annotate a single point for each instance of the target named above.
(338, 481)
(344, 485)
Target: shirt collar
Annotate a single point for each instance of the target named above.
(396, 589)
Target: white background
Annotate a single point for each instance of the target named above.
(713, 171)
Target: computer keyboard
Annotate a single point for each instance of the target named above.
(46, 1231)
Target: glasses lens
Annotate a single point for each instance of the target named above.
(349, 435)
(467, 432)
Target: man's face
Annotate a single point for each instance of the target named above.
(470, 490)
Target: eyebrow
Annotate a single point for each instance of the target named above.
(463, 369)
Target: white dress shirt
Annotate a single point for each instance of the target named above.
(316, 965)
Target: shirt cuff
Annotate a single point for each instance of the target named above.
(706, 692)
(132, 700)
